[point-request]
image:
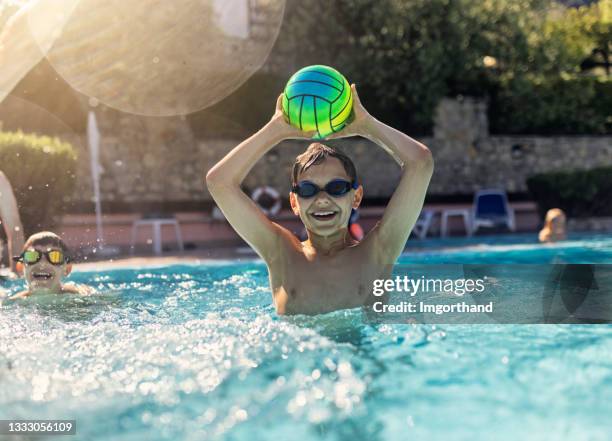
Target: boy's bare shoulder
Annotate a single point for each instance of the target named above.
(286, 241)
(73, 288)
(20, 295)
(70, 288)
(373, 250)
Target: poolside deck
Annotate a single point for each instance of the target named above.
(205, 237)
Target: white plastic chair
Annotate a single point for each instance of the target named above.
(156, 225)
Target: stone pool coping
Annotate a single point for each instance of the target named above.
(154, 261)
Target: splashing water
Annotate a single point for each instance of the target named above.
(196, 352)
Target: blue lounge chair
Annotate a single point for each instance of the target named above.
(491, 209)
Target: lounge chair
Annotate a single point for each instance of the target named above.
(491, 209)
(423, 223)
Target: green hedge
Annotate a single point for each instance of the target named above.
(581, 193)
(42, 172)
(552, 106)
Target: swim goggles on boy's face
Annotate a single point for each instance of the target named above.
(54, 257)
(335, 188)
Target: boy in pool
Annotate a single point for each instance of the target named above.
(329, 270)
(44, 262)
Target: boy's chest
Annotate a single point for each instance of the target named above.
(301, 286)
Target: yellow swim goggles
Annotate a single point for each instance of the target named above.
(54, 257)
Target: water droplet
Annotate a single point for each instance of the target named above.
(241, 415)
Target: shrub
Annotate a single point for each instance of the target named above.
(42, 172)
(544, 105)
(579, 193)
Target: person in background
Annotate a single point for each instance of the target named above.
(554, 226)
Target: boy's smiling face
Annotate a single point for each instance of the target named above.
(323, 214)
(43, 276)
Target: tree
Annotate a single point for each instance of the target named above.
(406, 55)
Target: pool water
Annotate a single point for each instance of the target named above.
(510, 249)
(196, 352)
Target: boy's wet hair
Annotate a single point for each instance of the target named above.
(48, 239)
(315, 154)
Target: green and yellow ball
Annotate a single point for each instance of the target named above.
(318, 98)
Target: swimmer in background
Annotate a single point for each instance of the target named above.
(44, 263)
(10, 220)
(329, 270)
(554, 226)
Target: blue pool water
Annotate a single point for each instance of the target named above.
(510, 249)
(196, 352)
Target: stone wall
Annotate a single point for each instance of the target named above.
(507, 161)
(159, 159)
(592, 224)
(468, 157)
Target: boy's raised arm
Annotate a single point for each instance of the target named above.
(405, 205)
(9, 216)
(224, 179)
